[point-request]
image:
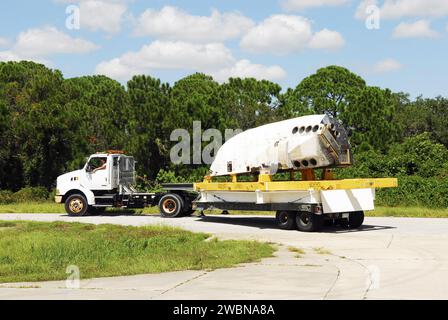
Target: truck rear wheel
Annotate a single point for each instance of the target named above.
(76, 205)
(355, 219)
(286, 220)
(309, 222)
(171, 205)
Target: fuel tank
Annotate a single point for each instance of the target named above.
(308, 142)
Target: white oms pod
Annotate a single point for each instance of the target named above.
(308, 142)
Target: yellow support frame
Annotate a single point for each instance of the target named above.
(261, 185)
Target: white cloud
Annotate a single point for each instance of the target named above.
(48, 40)
(418, 29)
(327, 39)
(280, 34)
(105, 15)
(4, 42)
(395, 9)
(102, 15)
(167, 55)
(246, 69)
(213, 58)
(171, 23)
(299, 5)
(386, 65)
(117, 69)
(283, 34)
(38, 43)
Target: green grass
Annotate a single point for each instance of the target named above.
(36, 251)
(51, 207)
(32, 207)
(416, 212)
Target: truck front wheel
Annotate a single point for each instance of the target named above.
(286, 220)
(309, 222)
(171, 205)
(76, 205)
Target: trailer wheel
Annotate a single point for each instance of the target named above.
(286, 220)
(309, 222)
(76, 205)
(356, 219)
(171, 205)
(188, 208)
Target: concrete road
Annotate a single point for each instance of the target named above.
(388, 258)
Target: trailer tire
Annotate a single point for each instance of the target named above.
(188, 207)
(356, 219)
(171, 205)
(286, 220)
(309, 222)
(76, 205)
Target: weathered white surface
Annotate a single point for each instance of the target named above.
(388, 258)
(348, 200)
(274, 146)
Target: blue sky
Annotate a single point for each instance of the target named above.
(283, 41)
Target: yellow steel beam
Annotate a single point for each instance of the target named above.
(298, 185)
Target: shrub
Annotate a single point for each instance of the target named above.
(417, 155)
(6, 197)
(415, 191)
(30, 194)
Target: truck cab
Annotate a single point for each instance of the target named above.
(106, 180)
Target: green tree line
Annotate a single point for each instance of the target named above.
(48, 124)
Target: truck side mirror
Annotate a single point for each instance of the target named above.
(89, 168)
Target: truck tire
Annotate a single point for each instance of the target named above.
(309, 222)
(355, 219)
(171, 205)
(286, 220)
(76, 205)
(188, 208)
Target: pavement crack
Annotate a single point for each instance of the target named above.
(184, 282)
(333, 284)
(356, 261)
(390, 241)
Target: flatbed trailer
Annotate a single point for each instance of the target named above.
(298, 204)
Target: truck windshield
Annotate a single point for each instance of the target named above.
(126, 164)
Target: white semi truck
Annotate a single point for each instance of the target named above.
(300, 144)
